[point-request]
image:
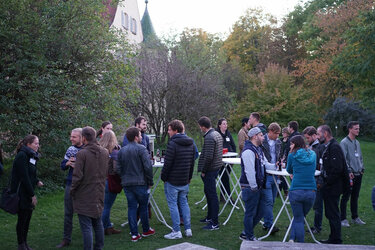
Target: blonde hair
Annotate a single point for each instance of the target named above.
(109, 141)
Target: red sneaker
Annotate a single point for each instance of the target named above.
(135, 238)
(149, 232)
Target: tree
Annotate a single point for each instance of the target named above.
(61, 67)
(181, 79)
(274, 95)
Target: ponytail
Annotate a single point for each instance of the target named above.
(27, 140)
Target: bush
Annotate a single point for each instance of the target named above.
(344, 110)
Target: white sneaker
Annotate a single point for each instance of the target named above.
(291, 241)
(188, 233)
(345, 223)
(173, 235)
(358, 221)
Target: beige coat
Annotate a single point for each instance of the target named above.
(242, 137)
(88, 182)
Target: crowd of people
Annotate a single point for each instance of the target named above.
(98, 169)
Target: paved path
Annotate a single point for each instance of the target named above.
(294, 246)
(187, 246)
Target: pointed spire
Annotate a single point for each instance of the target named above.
(147, 27)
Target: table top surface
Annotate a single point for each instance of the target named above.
(230, 154)
(283, 172)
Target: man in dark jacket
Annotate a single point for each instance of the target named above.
(68, 164)
(140, 123)
(334, 173)
(134, 167)
(176, 173)
(87, 191)
(210, 161)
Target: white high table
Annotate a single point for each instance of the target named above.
(228, 162)
(154, 205)
(283, 173)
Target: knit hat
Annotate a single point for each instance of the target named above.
(254, 131)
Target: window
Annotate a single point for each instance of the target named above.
(133, 26)
(125, 20)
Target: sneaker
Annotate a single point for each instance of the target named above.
(243, 236)
(251, 239)
(345, 223)
(210, 226)
(205, 220)
(135, 238)
(149, 232)
(358, 221)
(291, 241)
(188, 233)
(274, 229)
(173, 235)
(314, 230)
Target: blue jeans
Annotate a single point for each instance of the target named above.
(318, 208)
(209, 181)
(253, 211)
(137, 196)
(87, 225)
(177, 197)
(301, 202)
(267, 201)
(68, 214)
(109, 199)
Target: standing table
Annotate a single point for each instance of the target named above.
(228, 162)
(284, 174)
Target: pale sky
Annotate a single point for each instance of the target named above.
(213, 16)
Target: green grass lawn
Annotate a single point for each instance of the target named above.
(47, 221)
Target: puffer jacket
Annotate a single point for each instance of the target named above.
(88, 181)
(179, 160)
(134, 165)
(212, 152)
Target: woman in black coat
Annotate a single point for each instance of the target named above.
(228, 142)
(24, 180)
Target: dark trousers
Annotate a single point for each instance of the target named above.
(225, 180)
(318, 208)
(331, 206)
(353, 194)
(24, 217)
(68, 214)
(211, 196)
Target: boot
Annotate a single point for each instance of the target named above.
(111, 230)
(64, 243)
(22, 246)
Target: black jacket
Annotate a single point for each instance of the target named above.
(24, 173)
(335, 173)
(212, 152)
(179, 160)
(228, 141)
(134, 165)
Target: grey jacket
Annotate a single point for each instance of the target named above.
(212, 152)
(134, 165)
(267, 150)
(353, 155)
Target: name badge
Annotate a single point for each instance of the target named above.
(356, 154)
(32, 161)
(227, 139)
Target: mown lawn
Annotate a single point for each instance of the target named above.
(47, 221)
